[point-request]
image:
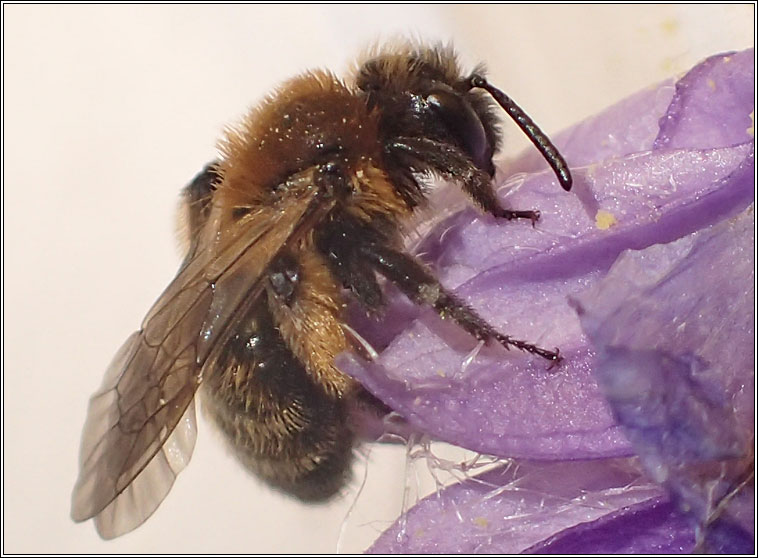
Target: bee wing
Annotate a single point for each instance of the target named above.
(140, 427)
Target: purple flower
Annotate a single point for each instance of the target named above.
(643, 277)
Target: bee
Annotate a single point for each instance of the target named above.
(303, 210)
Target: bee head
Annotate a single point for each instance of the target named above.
(421, 91)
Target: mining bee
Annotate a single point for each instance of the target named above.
(302, 210)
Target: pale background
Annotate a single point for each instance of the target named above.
(110, 110)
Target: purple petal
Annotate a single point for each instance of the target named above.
(665, 326)
(675, 358)
(660, 364)
(712, 105)
(629, 126)
(510, 509)
(734, 531)
(652, 527)
(519, 278)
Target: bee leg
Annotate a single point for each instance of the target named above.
(336, 242)
(198, 193)
(197, 196)
(418, 284)
(453, 164)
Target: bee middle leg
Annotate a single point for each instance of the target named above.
(336, 242)
(452, 164)
(418, 284)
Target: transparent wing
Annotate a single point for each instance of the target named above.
(140, 427)
(141, 498)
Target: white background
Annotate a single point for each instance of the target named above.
(109, 111)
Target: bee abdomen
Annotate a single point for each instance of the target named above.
(282, 425)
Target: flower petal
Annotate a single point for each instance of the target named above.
(510, 509)
(655, 249)
(519, 278)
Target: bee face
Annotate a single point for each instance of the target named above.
(302, 210)
(423, 90)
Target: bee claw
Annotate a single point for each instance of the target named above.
(555, 358)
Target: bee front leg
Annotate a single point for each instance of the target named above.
(451, 163)
(335, 241)
(418, 284)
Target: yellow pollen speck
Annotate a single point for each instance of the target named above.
(481, 522)
(670, 26)
(604, 220)
(441, 373)
(712, 84)
(751, 130)
(727, 59)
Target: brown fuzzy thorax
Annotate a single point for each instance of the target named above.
(310, 119)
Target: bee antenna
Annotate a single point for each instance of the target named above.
(532, 131)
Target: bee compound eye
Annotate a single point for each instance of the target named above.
(464, 124)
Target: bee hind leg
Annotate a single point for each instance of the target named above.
(418, 284)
